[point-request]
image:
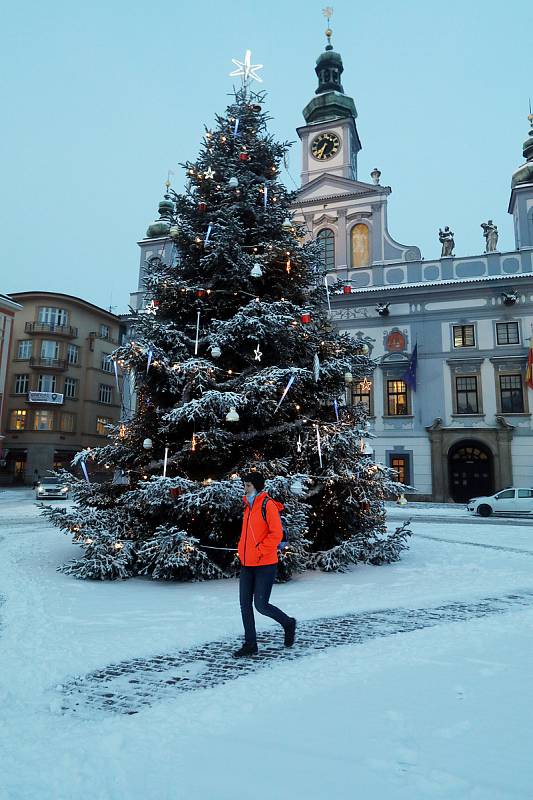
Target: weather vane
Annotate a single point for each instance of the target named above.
(246, 69)
(328, 13)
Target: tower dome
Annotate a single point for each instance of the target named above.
(162, 225)
(330, 101)
(524, 173)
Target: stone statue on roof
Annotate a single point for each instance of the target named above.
(490, 232)
(447, 241)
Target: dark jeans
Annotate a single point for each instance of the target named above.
(255, 585)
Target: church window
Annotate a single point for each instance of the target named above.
(360, 246)
(326, 244)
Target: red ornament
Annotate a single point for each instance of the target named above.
(347, 289)
(244, 156)
(202, 207)
(201, 293)
(305, 318)
(175, 491)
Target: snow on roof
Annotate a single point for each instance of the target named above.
(422, 284)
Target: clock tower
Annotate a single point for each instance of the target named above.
(330, 141)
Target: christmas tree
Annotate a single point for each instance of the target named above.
(236, 367)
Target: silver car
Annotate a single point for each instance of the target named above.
(509, 501)
(49, 488)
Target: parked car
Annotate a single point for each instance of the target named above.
(50, 488)
(508, 501)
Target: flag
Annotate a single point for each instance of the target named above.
(529, 372)
(409, 375)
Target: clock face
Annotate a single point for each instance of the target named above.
(325, 145)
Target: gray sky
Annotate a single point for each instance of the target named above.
(101, 99)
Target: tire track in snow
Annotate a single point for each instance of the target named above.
(128, 687)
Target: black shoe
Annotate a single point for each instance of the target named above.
(246, 650)
(290, 632)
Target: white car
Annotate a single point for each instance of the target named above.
(508, 501)
(50, 488)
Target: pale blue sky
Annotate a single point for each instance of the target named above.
(101, 99)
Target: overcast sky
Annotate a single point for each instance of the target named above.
(101, 99)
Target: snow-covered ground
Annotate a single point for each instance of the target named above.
(440, 712)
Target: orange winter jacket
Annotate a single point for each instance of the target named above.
(259, 540)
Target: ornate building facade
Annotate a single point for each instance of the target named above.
(465, 429)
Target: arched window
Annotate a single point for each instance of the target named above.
(326, 243)
(360, 246)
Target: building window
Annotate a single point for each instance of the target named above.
(397, 398)
(49, 350)
(24, 349)
(507, 333)
(360, 240)
(326, 244)
(400, 464)
(466, 394)
(66, 423)
(47, 383)
(102, 424)
(105, 332)
(106, 363)
(511, 394)
(362, 393)
(53, 316)
(43, 420)
(464, 336)
(105, 393)
(22, 384)
(17, 420)
(73, 354)
(70, 388)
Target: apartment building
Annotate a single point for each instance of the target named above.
(61, 391)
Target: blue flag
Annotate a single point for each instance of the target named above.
(409, 375)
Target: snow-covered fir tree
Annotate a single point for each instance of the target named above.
(237, 368)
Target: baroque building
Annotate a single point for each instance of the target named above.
(454, 419)
(465, 428)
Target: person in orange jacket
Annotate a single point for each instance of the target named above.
(258, 554)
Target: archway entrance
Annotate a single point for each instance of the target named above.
(470, 470)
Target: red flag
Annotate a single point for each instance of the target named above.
(529, 371)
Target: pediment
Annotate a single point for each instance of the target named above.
(327, 185)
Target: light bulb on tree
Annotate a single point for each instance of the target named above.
(232, 415)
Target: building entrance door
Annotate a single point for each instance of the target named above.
(471, 471)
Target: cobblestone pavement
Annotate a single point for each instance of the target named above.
(129, 686)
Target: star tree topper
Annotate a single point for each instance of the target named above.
(246, 69)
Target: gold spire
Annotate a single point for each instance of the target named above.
(328, 13)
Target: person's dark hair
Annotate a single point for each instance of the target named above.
(256, 479)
